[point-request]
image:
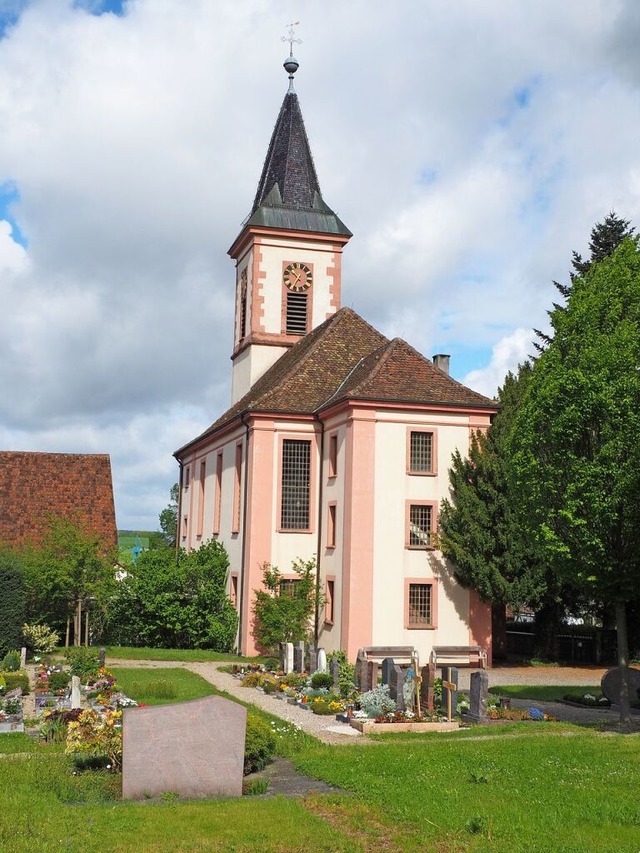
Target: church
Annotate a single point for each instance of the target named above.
(338, 441)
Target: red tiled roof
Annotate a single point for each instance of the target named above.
(346, 358)
(67, 485)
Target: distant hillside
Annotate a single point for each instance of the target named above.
(127, 538)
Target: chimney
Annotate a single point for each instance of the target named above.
(442, 362)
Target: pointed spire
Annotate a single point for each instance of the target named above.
(288, 193)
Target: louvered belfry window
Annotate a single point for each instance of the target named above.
(297, 313)
(296, 479)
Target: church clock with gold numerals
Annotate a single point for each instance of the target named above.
(297, 277)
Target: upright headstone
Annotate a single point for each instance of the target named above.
(321, 662)
(102, 653)
(361, 665)
(426, 688)
(612, 681)
(371, 674)
(478, 693)
(298, 656)
(75, 691)
(23, 657)
(334, 669)
(387, 666)
(288, 658)
(450, 691)
(396, 687)
(312, 658)
(192, 749)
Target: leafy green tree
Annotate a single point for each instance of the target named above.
(283, 609)
(66, 571)
(576, 454)
(12, 602)
(175, 600)
(168, 522)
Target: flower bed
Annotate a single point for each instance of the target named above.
(368, 727)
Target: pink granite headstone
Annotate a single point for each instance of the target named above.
(192, 749)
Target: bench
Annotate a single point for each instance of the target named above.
(396, 652)
(472, 656)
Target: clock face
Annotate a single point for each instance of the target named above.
(297, 276)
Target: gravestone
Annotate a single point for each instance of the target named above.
(321, 662)
(450, 691)
(371, 675)
(192, 749)
(361, 665)
(612, 680)
(426, 687)
(334, 669)
(23, 657)
(102, 652)
(75, 691)
(396, 687)
(298, 656)
(287, 658)
(312, 658)
(387, 667)
(478, 693)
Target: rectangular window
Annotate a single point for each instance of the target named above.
(421, 453)
(201, 481)
(184, 527)
(218, 496)
(331, 526)
(187, 477)
(236, 489)
(295, 483)
(296, 319)
(333, 455)
(420, 533)
(288, 588)
(329, 601)
(420, 605)
(243, 304)
(233, 591)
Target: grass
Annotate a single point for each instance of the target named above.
(183, 655)
(530, 787)
(542, 693)
(160, 686)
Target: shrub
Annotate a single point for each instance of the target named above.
(3, 683)
(41, 639)
(346, 673)
(84, 661)
(11, 680)
(259, 679)
(96, 737)
(283, 616)
(272, 664)
(12, 601)
(58, 680)
(377, 702)
(12, 705)
(260, 744)
(11, 662)
(269, 686)
(321, 679)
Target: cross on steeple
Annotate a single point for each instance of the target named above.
(291, 63)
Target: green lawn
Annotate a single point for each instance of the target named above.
(539, 788)
(186, 655)
(543, 693)
(160, 686)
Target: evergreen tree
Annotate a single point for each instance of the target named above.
(606, 236)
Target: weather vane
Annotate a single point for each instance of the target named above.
(291, 38)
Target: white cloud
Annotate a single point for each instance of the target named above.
(468, 164)
(506, 355)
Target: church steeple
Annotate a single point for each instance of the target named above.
(288, 254)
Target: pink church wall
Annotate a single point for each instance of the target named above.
(480, 624)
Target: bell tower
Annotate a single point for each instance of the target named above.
(288, 254)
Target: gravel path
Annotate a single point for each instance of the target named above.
(328, 730)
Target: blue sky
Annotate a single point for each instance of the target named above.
(469, 147)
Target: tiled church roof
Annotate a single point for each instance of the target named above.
(288, 194)
(67, 485)
(346, 358)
